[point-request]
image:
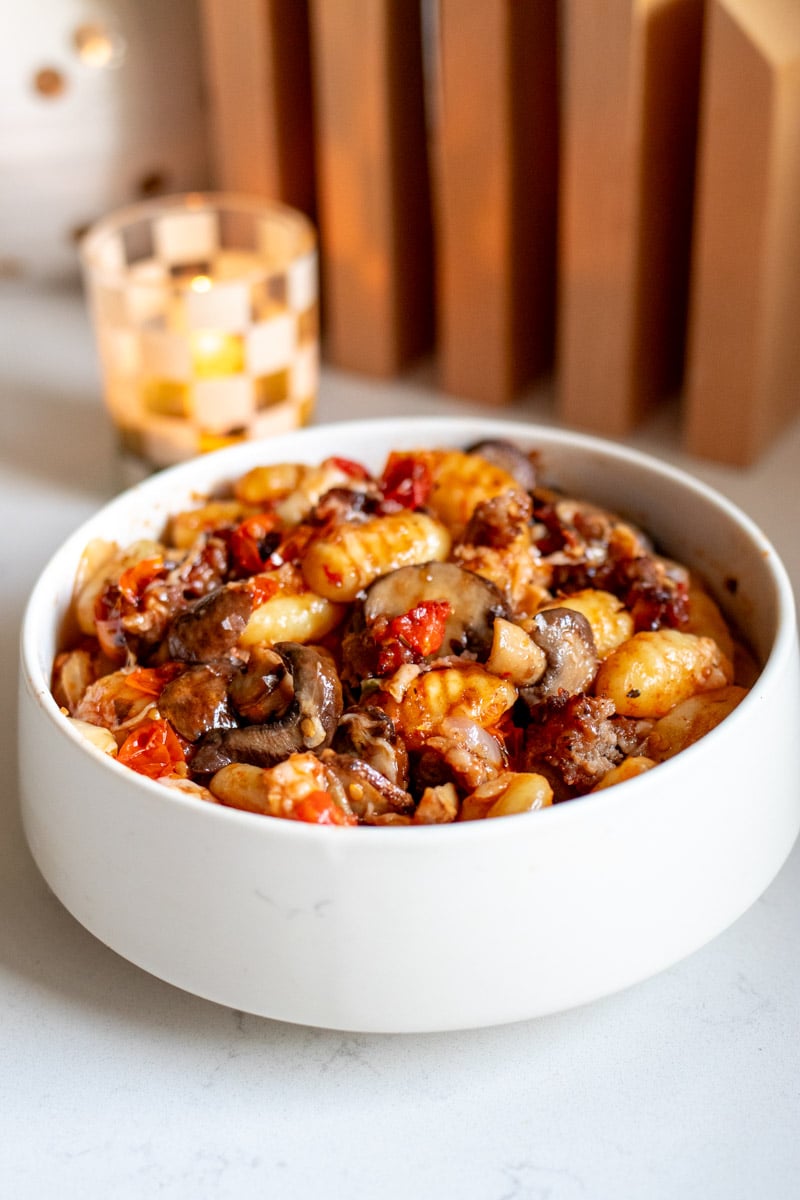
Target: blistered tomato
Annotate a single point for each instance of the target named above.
(320, 808)
(152, 749)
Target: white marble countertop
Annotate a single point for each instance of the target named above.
(113, 1083)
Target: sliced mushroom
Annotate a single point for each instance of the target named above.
(369, 734)
(366, 791)
(509, 458)
(474, 602)
(262, 691)
(211, 628)
(307, 724)
(568, 643)
(197, 701)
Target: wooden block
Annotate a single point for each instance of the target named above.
(373, 191)
(258, 74)
(744, 359)
(631, 77)
(496, 154)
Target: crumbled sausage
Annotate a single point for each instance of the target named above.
(573, 741)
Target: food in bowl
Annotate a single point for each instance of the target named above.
(448, 638)
(503, 919)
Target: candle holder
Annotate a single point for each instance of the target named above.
(206, 315)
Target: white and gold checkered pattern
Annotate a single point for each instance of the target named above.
(207, 325)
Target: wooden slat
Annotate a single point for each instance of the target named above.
(744, 360)
(373, 193)
(258, 75)
(631, 73)
(496, 154)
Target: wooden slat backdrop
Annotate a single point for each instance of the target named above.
(631, 80)
(374, 198)
(495, 146)
(449, 148)
(744, 358)
(258, 75)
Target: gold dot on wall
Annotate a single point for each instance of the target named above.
(10, 268)
(153, 183)
(49, 82)
(98, 45)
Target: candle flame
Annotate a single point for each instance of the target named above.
(200, 283)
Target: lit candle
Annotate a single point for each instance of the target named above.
(216, 353)
(206, 315)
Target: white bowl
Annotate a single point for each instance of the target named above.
(439, 927)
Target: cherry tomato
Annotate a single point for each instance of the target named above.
(406, 481)
(348, 467)
(152, 749)
(423, 626)
(253, 541)
(413, 636)
(320, 808)
(153, 680)
(134, 581)
(263, 588)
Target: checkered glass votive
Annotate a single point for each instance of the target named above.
(207, 322)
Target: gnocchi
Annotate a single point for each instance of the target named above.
(338, 565)
(448, 640)
(654, 670)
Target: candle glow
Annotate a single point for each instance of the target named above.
(206, 339)
(215, 353)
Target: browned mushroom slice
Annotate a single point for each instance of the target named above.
(197, 701)
(307, 724)
(262, 691)
(211, 628)
(474, 602)
(509, 458)
(367, 792)
(369, 734)
(568, 643)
